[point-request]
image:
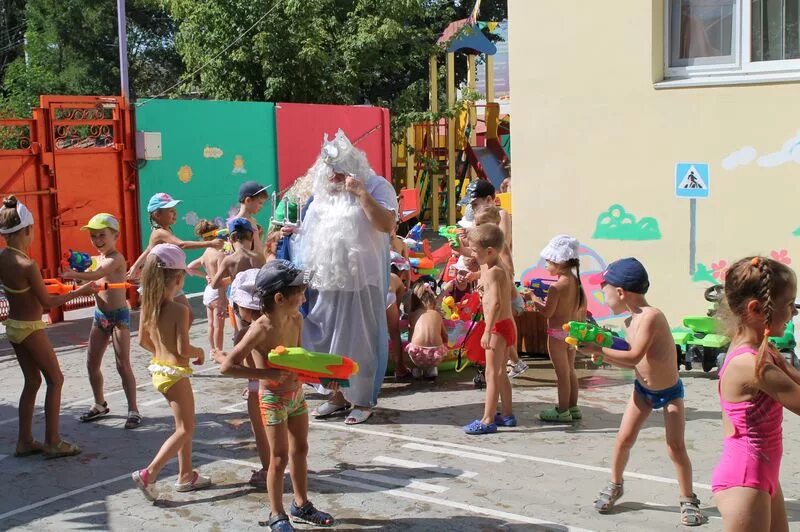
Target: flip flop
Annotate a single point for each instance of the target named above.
(328, 409)
(357, 416)
(34, 448)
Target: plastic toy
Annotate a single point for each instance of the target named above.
(313, 368)
(540, 287)
(423, 263)
(78, 261)
(450, 232)
(56, 287)
(416, 232)
(450, 308)
(581, 332)
(221, 232)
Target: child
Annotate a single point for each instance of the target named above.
(486, 241)
(481, 193)
(247, 307)
(755, 385)
(214, 299)
(271, 245)
(112, 319)
(658, 385)
(27, 298)
(461, 285)
(428, 336)
(565, 302)
(281, 287)
(252, 197)
(163, 216)
(395, 297)
(164, 331)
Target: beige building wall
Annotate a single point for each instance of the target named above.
(590, 131)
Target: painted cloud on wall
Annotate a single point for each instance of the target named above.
(740, 157)
(790, 152)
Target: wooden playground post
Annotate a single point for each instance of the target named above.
(433, 91)
(451, 146)
(410, 166)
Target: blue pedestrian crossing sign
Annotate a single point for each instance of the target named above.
(692, 180)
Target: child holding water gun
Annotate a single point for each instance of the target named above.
(428, 345)
(280, 287)
(657, 385)
(247, 307)
(112, 319)
(486, 241)
(27, 298)
(755, 385)
(215, 300)
(163, 215)
(164, 332)
(565, 302)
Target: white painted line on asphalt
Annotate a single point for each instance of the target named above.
(90, 400)
(236, 407)
(460, 454)
(551, 461)
(4, 456)
(392, 481)
(408, 464)
(489, 512)
(64, 496)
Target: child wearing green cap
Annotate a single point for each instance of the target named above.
(112, 318)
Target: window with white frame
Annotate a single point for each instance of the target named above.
(729, 37)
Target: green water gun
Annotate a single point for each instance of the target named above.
(451, 232)
(581, 332)
(313, 368)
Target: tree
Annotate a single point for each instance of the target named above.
(72, 48)
(320, 51)
(12, 31)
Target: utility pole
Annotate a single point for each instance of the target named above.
(123, 50)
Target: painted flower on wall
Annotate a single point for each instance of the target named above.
(781, 256)
(719, 270)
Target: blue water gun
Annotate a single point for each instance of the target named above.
(416, 232)
(78, 261)
(540, 287)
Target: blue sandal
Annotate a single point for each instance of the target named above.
(505, 421)
(278, 523)
(477, 427)
(309, 515)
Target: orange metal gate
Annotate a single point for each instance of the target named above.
(73, 159)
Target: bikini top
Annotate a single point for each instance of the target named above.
(8, 289)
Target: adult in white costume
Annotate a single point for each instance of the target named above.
(344, 238)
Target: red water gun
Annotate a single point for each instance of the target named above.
(313, 368)
(56, 287)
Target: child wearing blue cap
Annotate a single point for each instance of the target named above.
(252, 197)
(244, 257)
(658, 385)
(163, 215)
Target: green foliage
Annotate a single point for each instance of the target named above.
(72, 48)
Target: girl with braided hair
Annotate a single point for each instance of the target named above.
(755, 384)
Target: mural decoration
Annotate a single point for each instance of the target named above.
(796, 232)
(618, 224)
(591, 263)
(788, 153)
(715, 274)
(238, 165)
(185, 173)
(781, 256)
(211, 152)
(191, 218)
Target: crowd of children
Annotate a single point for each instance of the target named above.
(263, 295)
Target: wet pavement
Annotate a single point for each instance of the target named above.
(409, 468)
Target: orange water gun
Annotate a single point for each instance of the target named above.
(56, 287)
(313, 368)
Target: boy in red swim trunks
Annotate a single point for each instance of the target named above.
(486, 242)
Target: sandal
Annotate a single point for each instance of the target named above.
(32, 448)
(477, 427)
(278, 523)
(198, 482)
(552, 414)
(690, 511)
(61, 450)
(576, 413)
(328, 409)
(309, 515)
(505, 421)
(142, 481)
(606, 499)
(134, 420)
(357, 416)
(96, 412)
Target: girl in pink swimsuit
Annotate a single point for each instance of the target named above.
(755, 384)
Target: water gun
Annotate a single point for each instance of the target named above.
(423, 263)
(56, 287)
(540, 287)
(413, 245)
(416, 232)
(313, 368)
(580, 332)
(221, 233)
(450, 308)
(78, 261)
(451, 234)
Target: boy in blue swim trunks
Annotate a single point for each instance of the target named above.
(112, 318)
(658, 385)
